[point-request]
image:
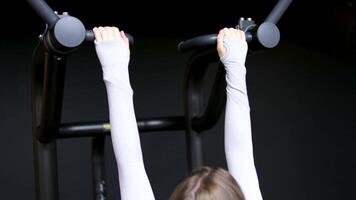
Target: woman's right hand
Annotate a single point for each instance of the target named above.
(112, 48)
(227, 39)
(109, 33)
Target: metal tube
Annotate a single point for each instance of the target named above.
(44, 154)
(44, 11)
(161, 124)
(98, 168)
(194, 150)
(45, 166)
(203, 42)
(52, 97)
(194, 103)
(87, 129)
(84, 129)
(90, 37)
(278, 11)
(216, 103)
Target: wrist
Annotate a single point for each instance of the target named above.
(236, 50)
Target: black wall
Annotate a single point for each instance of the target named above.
(302, 96)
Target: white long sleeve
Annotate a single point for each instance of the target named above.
(114, 57)
(238, 138)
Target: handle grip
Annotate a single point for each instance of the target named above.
(267, 34)
(90, 37)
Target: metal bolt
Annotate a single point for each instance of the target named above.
(241, 19)
(65, 13)
(56, 12)
(249, 19)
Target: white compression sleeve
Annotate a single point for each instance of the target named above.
(238, 138)
(114, 57)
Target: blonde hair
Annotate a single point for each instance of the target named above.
(208, 184)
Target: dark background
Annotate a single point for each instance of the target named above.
(302, 95)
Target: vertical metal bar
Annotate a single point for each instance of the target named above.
(47, 92)
(193, 138)
(196, 119)
(192, 109)
(45, 165)
(45, 154)
(194, 150)
(216, 103)
(52, 97)
(98, 168)
(193, 105)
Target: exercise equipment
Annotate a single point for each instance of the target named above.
(62, 36)
(198, 119)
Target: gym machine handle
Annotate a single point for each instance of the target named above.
(203, 41)
(89, 37)
(267, 33)
(65, 32)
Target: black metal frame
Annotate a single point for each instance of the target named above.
(48, 72)
(198, 116)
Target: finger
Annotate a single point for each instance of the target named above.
(220, 39)
(233, 32)
(229, 32)
(220, 43)
(226, 32)
(97, 34)
(241, 35)
(123, 36)
(110, 32)
(103, 33)
(237, 32)
(116, 32)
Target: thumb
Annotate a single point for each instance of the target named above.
(124, 37)
(220, 44)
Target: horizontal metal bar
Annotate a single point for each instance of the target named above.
(90, 37)
(161, 124)
(87, 129)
